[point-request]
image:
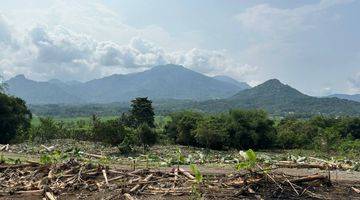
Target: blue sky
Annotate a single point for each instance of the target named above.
(311, 45)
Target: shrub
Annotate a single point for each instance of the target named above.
(146, 135)
(328, 139)
(47, 129)
(251, 129)
(293, 133)
(350, 147)
(211, 132)
(110, 132)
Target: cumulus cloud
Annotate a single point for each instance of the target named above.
(61, 53)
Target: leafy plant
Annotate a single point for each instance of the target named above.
(250, 160)
(198, 176)
(54, 157)
(196, 190)
(180, 158)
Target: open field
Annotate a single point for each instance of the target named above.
(221, 179)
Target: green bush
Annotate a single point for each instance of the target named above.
(251, 129)
(146, 135)
(48, 129)
(211, 132)
(328, 139)
(293, 133)
(110, 132)
(350, 147)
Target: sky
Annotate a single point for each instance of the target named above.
(312, 45)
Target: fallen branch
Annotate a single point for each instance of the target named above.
(187, 174)
(49, 149)
(356, 190)
(105, 177)
(50, 196)
(310, 178)
(136, 187)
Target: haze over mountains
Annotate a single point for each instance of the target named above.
(160, 82)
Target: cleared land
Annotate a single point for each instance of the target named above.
(67, 169)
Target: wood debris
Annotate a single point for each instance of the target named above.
(53, 180)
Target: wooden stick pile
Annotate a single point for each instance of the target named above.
(74, 177)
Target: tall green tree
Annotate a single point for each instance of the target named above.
(14, 116)
(142, 112)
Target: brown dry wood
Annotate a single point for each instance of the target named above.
(309, 178)
(296, 165)
(136, 187)
(50, 196)
(187, 174)
(356, 190)
(93, 155)
(51, 148)
(128, 196)
(105, 177)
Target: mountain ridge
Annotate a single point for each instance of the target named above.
(281, 99)
(160, 82)
(352, 97)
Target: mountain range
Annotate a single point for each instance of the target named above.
(280, 99)
(160, 82)
(354, 97)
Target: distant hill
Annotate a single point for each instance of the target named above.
(160, 82)
(354, 97)
(228, 79)
(281, 99)
(35, 92)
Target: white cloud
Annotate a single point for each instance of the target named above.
(60, 53)
(85, 39)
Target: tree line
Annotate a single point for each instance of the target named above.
(235, 129)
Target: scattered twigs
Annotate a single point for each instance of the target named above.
(292, 185)
(136, 187)
(271, 178)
